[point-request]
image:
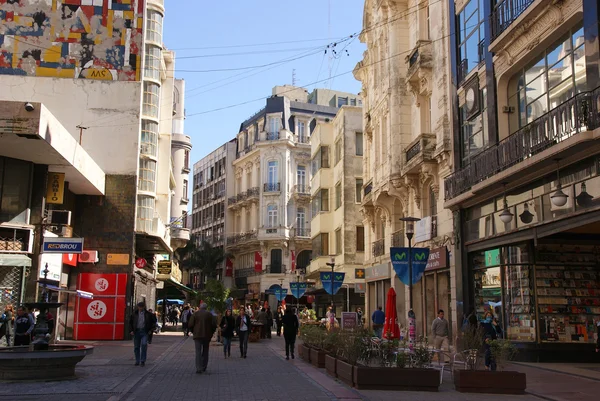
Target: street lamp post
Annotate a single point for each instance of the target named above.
(332, 265)
(410, 231)
(297, 289)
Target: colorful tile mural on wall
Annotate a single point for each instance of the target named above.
(92, 39)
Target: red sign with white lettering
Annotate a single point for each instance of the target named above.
(109, 284)
(69, 259)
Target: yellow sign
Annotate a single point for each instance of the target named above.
(165, 267)
(55, 191)
(117, 259)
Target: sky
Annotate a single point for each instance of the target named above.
(233, 36)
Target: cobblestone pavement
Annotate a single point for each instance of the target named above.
(169, 375)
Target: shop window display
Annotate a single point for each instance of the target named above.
(487, 283)
(520, 306)
(568, 292)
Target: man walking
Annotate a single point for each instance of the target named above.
(440, 332)
(185, 318)
(378, 319)
(202, 324)
(141, 324)
(24, 325)
(243, 325)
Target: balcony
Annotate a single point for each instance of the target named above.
(378, 247)
(303, 139)
(272, 187)
(418, 152)
(246, 150)
(398, 238)
(419, 64)
(275, 269)
(505, 13)
(179, 237)
(242, 238)
(253, 193)
(303, 232)
(272, 136)
(301, 193)
(576, 115)
(367, 189)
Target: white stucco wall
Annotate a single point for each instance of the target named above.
(109, 109)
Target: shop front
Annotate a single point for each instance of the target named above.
(538, 268)
(378, 281)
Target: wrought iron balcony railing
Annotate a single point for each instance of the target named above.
(578, 114)
(253, 192)
(272, 136)
(368, 188)
(398, 238)
(275, 268)
(379, 247)
(272, 187)
(302, 189)
(505, 13)
(303, 232)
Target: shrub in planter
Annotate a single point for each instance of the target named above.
(351, 349)
(331, 347)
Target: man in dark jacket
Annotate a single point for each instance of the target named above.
(23, 327)
(243, 327)
(141, 324)
(290, 330)
(202, 324)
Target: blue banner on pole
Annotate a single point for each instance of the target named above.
(298, 289)
(338, 280)
(400, 257)
(280, 293)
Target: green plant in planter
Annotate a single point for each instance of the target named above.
(402, 360)
(502, 351)
(353, 347)
(470, 344)
(421, 356)
(308, 334)
(331, 343)
(388, 353)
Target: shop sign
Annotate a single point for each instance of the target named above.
(55, 189)
(164, 267)
(492, 257)
(438, 259)
(359, 273)
(423, 229)
(378, 272)
(54, 264)
(117, 259)
(349, 320)
(63, 245)
(360, 288)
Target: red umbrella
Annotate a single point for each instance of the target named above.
(391, 329)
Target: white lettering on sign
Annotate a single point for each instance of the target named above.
(96, 310)
(101, 284)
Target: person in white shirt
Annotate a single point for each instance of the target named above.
(243, 326)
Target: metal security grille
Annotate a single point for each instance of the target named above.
(11, 279)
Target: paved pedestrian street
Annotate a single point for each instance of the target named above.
(169, 375)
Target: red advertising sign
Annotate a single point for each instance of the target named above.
(109, 284)
(228, 268)
(140, 263)
(293, 261)
(257, 262)
(99, 331)
(69, 259)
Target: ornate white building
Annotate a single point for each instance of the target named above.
(405, 76)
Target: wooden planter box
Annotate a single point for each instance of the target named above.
(484, 381)
(330, 365)
(376, 378)
(345, 372)
(305, 353)
(317, 358)
(300, 351)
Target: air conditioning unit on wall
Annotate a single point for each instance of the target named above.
(88, 257)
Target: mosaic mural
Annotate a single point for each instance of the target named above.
(92, 39)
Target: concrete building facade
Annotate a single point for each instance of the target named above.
(336, 191)
(405, 76)
(525, 182)
(88, 83)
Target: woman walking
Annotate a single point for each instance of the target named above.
(227, 325)
(290, 330)
(278, 317)
(6, 324)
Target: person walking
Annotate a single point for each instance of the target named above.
(278, 320)
(185, 318)
(6, 324)
(290, 331)
(269, 322)
(141, 324)
(243, 326)
(203, 326)
(378, 319)
(262, 319)
(227, 325)
(24, 325)
(491, 331)
(440, 331)
(359, 313)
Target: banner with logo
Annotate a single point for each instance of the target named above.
(338, 280)
(280, 293)
(257, 262)
(298, 289)
(228, 268)
(400, 257)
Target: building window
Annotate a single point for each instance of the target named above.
(338, 242)
(359, 185)
(360, 239)
(338, 196)
(320, 245)
(272, 172)
(352, 102)
(342, 101)
(185, 189)
(147, 178)
(149, 140)
(432, 203)
(324, 195)
(273, 125)
(359, 143)
(302, 131)
(473, 138)
(186, 160)
(152, 62)
(154, 26)
(272, 216)
(325, 156)
(470, 33)
(338, 151)
(359, 102)
(555, 76)
(301, 179)
(151, 99)
(145, 213)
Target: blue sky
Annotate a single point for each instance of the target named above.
(199, 30)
